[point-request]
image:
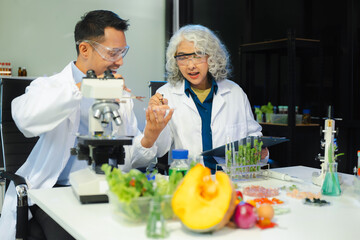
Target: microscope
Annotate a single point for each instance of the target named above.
(327, 143)
(99, 146)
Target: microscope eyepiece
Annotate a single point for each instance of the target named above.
(108, 74)
(90, 74)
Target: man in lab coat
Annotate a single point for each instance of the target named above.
(54, 109)
(206, 109)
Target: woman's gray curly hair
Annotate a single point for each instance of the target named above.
(205, 42)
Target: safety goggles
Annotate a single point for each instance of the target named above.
(183, 59)
(107, 53)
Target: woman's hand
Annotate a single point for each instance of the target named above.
(158, 100)
(156, 121)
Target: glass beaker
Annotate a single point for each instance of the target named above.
(268, 117)
(331, 184)
(156, 227)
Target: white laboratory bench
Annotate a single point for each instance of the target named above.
(339, 220)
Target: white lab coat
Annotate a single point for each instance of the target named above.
(50, 108)
(231, 117)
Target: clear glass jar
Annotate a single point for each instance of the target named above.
(285, 109)
(180, 161)
(156, 226)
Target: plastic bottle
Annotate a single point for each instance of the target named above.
(306, 118)
(281, 109)
(285, 109)
(275, 110)
(180, 161)
(10, 69)
(24, 72)
(5, 69)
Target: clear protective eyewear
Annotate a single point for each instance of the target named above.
(107, 53)
(196, 58)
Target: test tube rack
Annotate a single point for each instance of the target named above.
(242, 162)
(244, 172)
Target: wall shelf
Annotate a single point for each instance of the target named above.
(286, 125)
(278, 44)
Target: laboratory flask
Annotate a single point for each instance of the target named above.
(331, 184)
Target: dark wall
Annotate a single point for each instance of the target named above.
(328, 78)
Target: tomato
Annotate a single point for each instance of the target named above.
(132, 182)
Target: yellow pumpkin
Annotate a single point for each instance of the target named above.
(204, 205)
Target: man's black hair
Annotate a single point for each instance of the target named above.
(92, 25)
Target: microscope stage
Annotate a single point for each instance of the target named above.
(102, 141)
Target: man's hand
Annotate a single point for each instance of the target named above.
(156, 121)
(117, 76)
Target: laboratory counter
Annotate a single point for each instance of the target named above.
(338, 220)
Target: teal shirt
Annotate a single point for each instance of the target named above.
(204, 110)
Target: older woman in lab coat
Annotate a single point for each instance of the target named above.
(205, 107)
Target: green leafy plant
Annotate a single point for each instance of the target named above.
(135, 185)
(331, 150)
(245, 156)
(258, 114)
(269, 108)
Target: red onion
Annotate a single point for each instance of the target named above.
(245, 215)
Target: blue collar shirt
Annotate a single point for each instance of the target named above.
(204, 110)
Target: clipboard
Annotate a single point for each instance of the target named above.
(267, 142)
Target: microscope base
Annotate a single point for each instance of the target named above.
(89, 187)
